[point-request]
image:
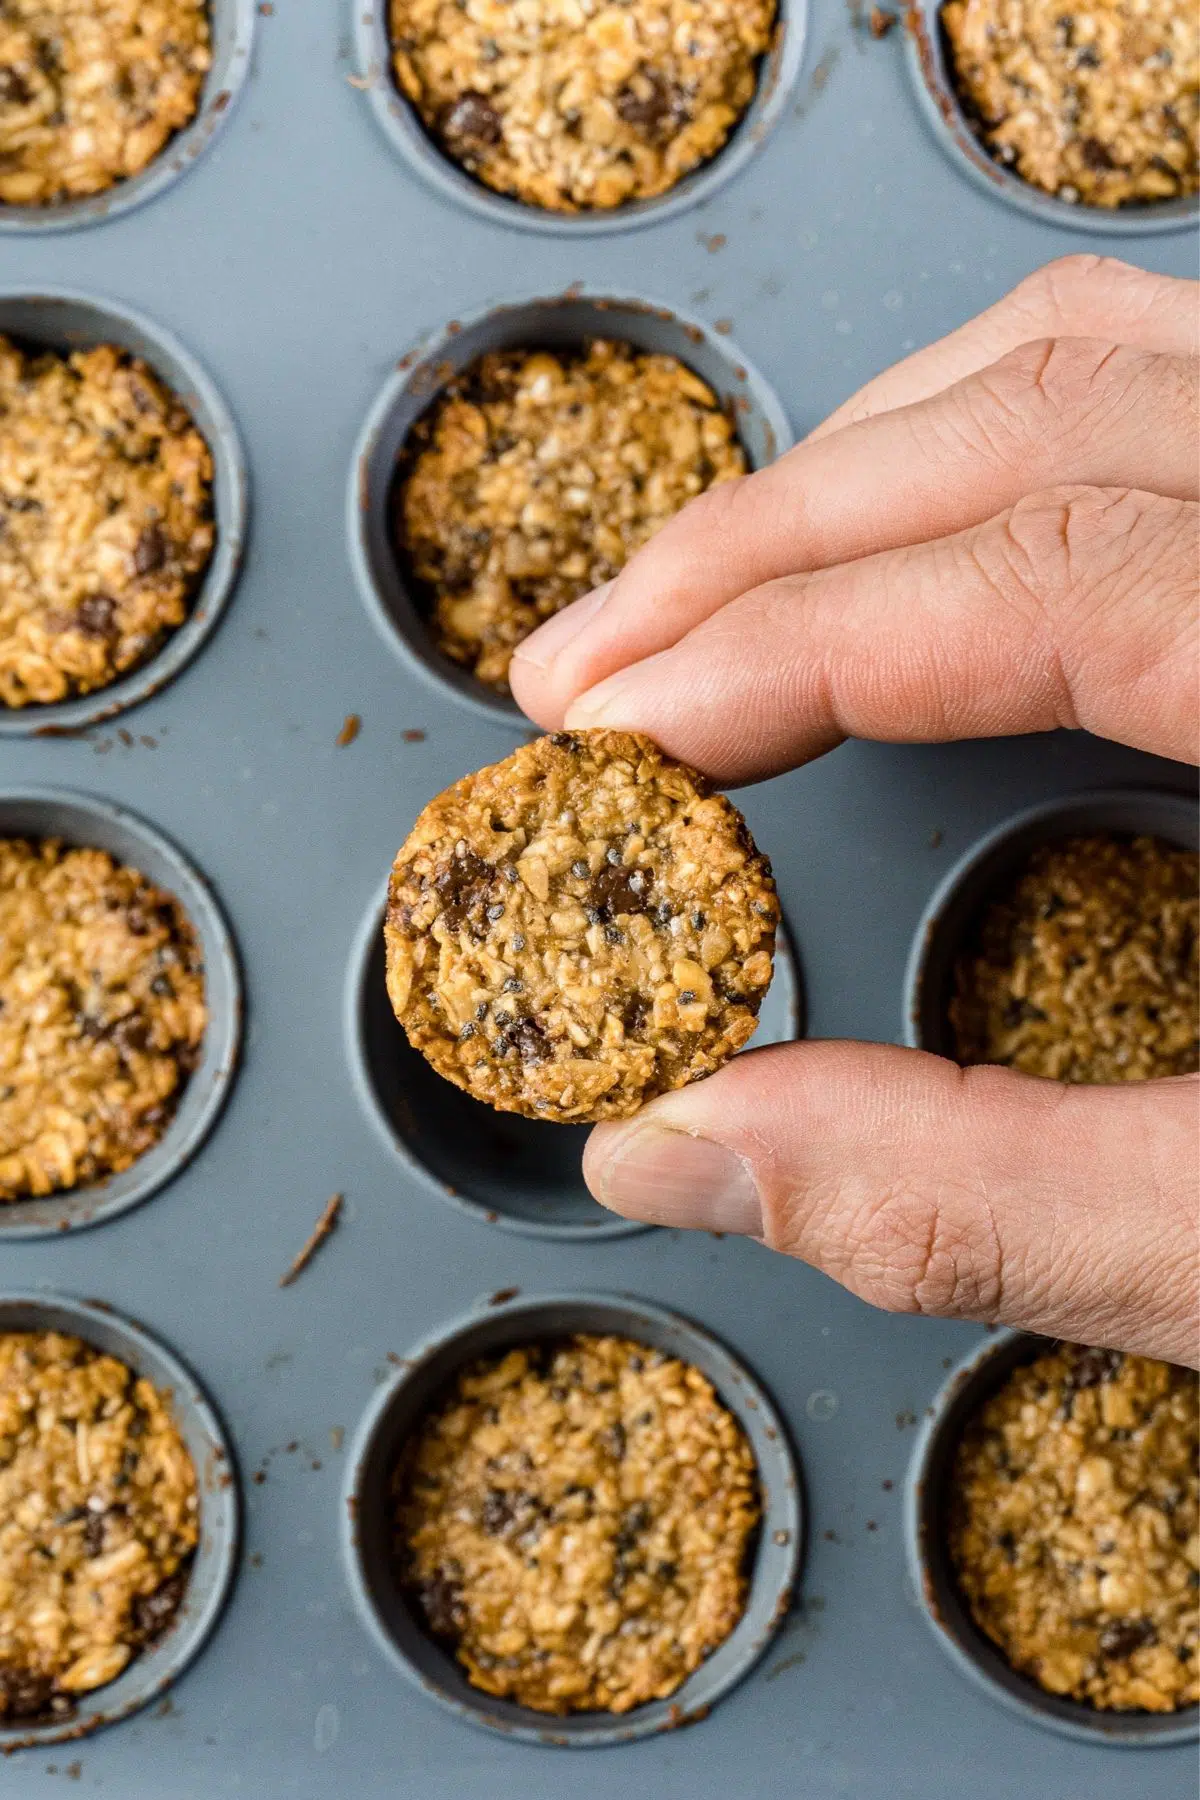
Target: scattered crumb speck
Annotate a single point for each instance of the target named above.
(413, 736)
(880, 21)
(351, 726)
(935, 843)
(724, 326)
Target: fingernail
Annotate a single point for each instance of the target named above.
(672, 1178)
(542, 646)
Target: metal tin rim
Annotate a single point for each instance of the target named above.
(929, 1571)
(188, 378)
(101, 825)
(932, 925)
(363, 503)
(944, 116)
(161, 1664)
(777, 1564)
(607, 1225)
(399, 123)
(232, 37)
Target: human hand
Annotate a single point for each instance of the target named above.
(998, 535)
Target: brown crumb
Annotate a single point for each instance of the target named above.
(413, 736)
(351, 726)
(880, 21)
(323, 1228)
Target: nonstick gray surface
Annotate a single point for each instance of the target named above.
(299, 260)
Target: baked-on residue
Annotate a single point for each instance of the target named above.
(575, 1519)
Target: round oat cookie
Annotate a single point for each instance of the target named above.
(579, 928)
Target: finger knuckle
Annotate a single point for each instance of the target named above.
(1074, 287)
(931, 1252)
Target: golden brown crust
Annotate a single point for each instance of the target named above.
(91, 90)
(576, 1520)
(101, 1015)
(536, 475)
(1074, 1527)
(1086, 969)
(578, 928)
(1100, 106)
(105, 519)
(580, 106)
(98, 1518)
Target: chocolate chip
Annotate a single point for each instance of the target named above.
(1095, 154)
(93, 1534)
(24, 1694)
(1122, 1637)
(617, 890)
(95, 615)
(634, 1013)
(1092, 1367)
(463, 885)
(13, 91)
(150, 1614)
(471, 120)
(652, 105)
(441, 1602)
(612, 1441)
(150, 551)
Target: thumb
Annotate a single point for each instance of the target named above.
(967, 1193)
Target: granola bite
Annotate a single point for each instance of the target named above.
(106, 522)
(578, 928)
(1086, 968)
(101, 1015)
(1100, 106)
(535, 476)
(576, 1520)
(99, 1518)
(1074, 1527)
(91, 90)
(575, 105)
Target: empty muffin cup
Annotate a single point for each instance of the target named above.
(398, 1408)
(61, 320)
(947, 118)
(980, 1374)
(563, 322)
(81, 821)
(211, 1570)
(946, 924)
(231, 24)
(500, 1168)
(400, 123)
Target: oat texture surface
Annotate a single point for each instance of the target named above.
(575, 105)
(578, 928)
(91, 90)
(575, 1520)
(1099, 105)
(1074, 1527)
(101, 1015)
(536, 475)
(1087, 968)
(105, 519)
(98, 1518)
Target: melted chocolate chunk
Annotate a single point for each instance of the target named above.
(150, 1614)
(95, 615)
(651, 105)
(441, 1602)
(13, 91)
(472, 120)
(463, 886)
(24, 1694)
(615, 890)
(1122, 1637)
(150, 551)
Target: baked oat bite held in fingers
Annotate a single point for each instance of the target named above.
(578, 928)
(583, 107)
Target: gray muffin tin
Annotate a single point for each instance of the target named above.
(301, 262)
(211, 1571)
(504, 1323)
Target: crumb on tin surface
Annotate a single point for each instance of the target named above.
(575, 1519)
(102, 1014)
(578, 928)
(1085, 967)
(575, 105)
(535, 475)
(1074, 1527)
(99, 1516)
(92, 90)
(1099, 105)
(105, 519)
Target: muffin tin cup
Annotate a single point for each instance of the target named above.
(85, 822)
(398, 1408)
(499, 1168)
(232, 28)
(957, 902)
(947, 119)
(969, 1385)
(212, 1570)
(555, 322)
(401, 124)
(63, 320)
